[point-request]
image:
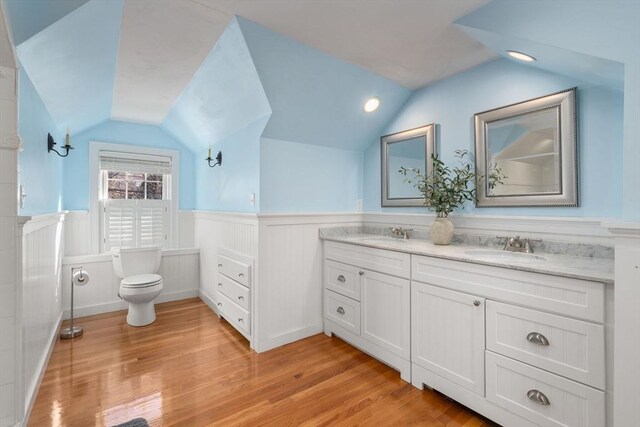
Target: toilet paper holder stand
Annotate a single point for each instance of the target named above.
(73, 331)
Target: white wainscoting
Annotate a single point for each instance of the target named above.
(179, 270)
(78, 232)
(41, 299)
(289, 276)
(561, 229)
(214, 230)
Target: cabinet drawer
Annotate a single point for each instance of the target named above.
(235, 270)
(380, 260)
(342, 278)
(234, 314)
(555, 401)
(234, 291)
(569, 297)
(343, 311)
(568, 347)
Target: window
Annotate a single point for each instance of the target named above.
(134, 198)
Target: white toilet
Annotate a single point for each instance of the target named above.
(140, 285)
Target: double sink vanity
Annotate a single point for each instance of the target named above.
(521, 338)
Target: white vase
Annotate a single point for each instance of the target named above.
(441, 231)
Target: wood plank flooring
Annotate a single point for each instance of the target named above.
(191, 369)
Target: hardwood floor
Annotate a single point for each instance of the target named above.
(191, 369)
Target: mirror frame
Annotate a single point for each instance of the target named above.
(565, 103)
(429, 133)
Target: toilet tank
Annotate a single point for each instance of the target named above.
(128, 262)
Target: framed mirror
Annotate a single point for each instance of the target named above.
(412, 149)
(533, 145)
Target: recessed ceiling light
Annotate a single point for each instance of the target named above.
(520, 56)
(372, 104)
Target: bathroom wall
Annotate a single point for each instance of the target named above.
(76, 166)
(40, 171)
(41, 298)
(451, 104)
(179, 270)
(298, 177)
(228, 187)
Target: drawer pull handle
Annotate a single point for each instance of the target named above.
(537, 338)
(476, 303)
(538, 397)
(219, 265)
(219, 304)
(341, 278)
(240, 319)
(240, 297)
(219, 285)
(340, 310)
(361, 273)
(240, 275)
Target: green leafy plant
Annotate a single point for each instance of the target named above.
(447, 188)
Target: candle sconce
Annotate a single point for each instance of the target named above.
(67, 145)
(218, 159)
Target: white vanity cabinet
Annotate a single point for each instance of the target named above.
(367, 301)
(447, 334)
(234, 290)
(522, 348)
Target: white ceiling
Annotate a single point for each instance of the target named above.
(162, 45)
(164, 42)
(412, 42)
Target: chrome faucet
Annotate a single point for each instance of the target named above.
(516, 244)
(400, 232)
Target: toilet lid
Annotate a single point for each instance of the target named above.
(141, 280)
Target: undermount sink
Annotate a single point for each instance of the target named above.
(504, 255)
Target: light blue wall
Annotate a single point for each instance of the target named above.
(72, 63)
(603, 28)
(76, 166)
(451, 104)
(224, 96)
(306, 178)
(316, 98)
(227, 187)
(40, 171)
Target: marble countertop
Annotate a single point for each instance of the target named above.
(577, 267)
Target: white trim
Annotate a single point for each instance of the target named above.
(104, 257)
(37, 222)
(207, 300)
(94, 185)
(110, 307)
(31, 399)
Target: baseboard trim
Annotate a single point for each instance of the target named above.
(109, 307)
(287, 338)
(43, 369)
(207, 300)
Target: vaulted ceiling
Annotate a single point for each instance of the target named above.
(152, 61)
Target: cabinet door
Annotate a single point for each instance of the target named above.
(385, 312)
(447, 331)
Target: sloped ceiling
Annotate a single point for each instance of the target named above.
(154, 62)
(524, 26)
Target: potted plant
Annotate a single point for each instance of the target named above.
(446, 188)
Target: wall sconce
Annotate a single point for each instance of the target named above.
(218, 159)
(67, 145)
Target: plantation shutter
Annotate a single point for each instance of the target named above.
(120, 225)
(134, 163)
(152, 220)
(135, 223)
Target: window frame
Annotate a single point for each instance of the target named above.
(96, 189)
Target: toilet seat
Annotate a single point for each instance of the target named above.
(141, 281)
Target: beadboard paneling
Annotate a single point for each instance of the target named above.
(215, 230)
(289, 277)
(41, 297)
(179, 271)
